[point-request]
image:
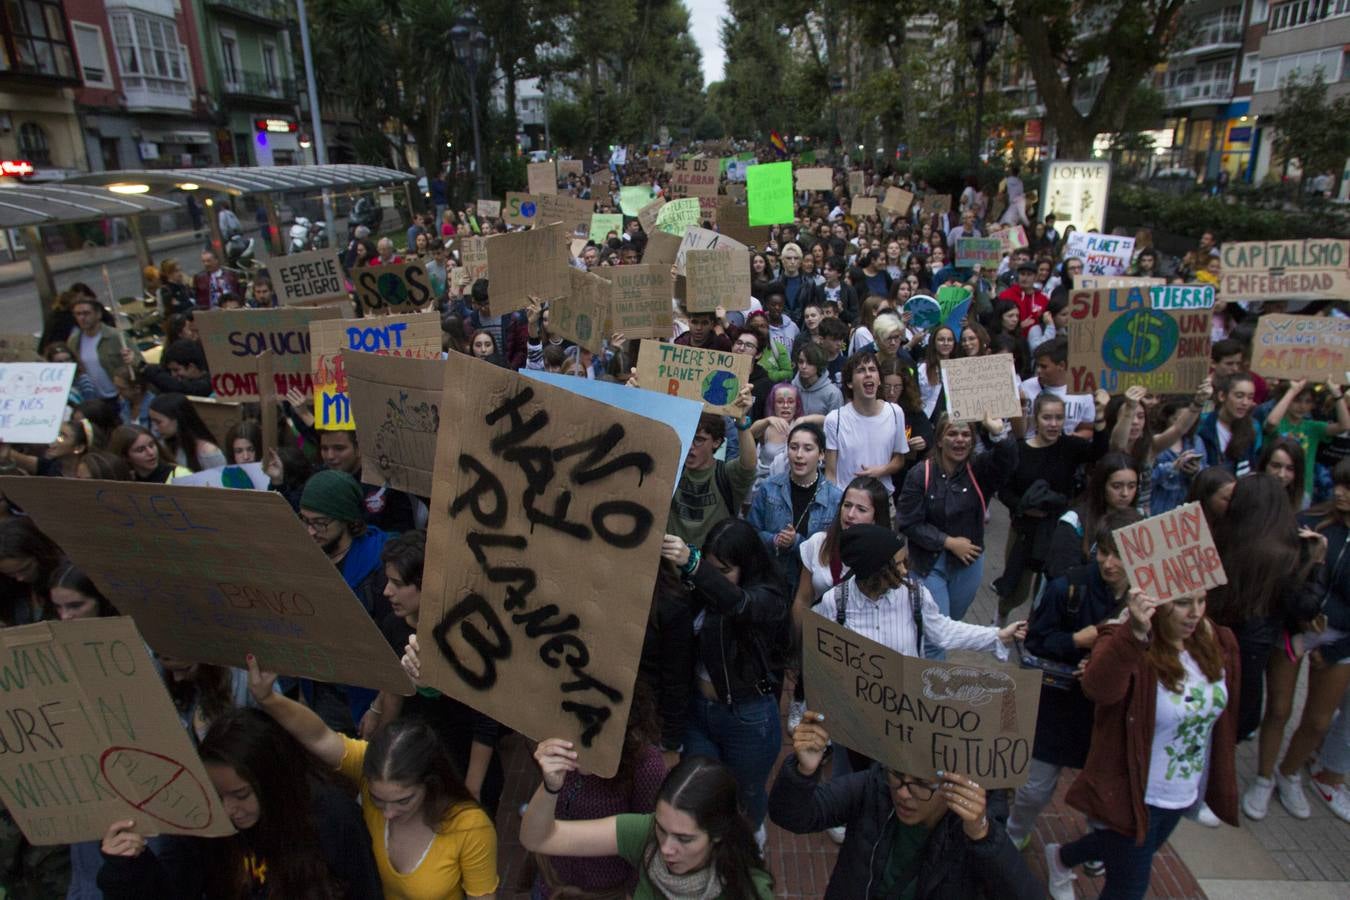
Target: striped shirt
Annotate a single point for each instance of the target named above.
(890, 622)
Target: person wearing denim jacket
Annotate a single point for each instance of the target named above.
(781, 527)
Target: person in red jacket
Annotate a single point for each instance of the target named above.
(213, 281)
(1165, 679)
(1031, 303)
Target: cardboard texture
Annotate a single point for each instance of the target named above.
(213, 576)
(733, 220)
(396, 404)
(677, 215)
(267, 402)
(769, 195)
(716, 278)
(541, 497)
(661, 249)
(489, 209)
(580, 317)
(984, 252)
(574, 214)
(937, 204)
(1102, 254)
(919, 716)
(1117, 339)
(525, 264)
(864, 206)
(33, 401)
(705, 239)
(398, 288)
(19, 348)
(1117, 281)
(647, 215)
(603, 223)
(857, 184)
(694, 178)
(640, 301)
(1313, 347)
(1310, 269)
(571, 167)
(417, 336)
(1171, 555)
(219, 415)
(520, 209)
(542, 178)
(979, 386)
(736, 192)
(816, 179)
(473, 257)
(707, 209)
(96, 738)
(315, 277)
(576, 246)
(709, 376)
(232, 339)
(897, 201)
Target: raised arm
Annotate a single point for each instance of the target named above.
(540, 830)
(1279, 410)
(1185, 418)
(302, 722)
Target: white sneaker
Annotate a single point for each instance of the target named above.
(1256, 799)
(1336, 796)
(837, 833)
(1292, 797)
(1205, 816)
(1060, 877)
(761, 836)
(795, 710)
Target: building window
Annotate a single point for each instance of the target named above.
(269, 59)
(35, 40)
(1305, 12)
(229, 60)
(93, 58)
(148, 52)
(33, 144)
(1300, 66)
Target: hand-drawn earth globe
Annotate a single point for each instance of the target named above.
(720, 387)
(392, 289)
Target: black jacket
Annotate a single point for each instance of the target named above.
(953, 866)
(163, 382)
(745, 634)
(667, 664)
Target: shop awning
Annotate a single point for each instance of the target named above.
(239, 181)
(56, 204)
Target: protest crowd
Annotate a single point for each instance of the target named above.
(873, 367)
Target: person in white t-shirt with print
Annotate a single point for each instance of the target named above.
(1052, 376)
(866, 436)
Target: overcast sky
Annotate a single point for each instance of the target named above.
(705, 23)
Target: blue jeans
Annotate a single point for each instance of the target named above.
(953, 587)
(1127, 866)
(745, 737)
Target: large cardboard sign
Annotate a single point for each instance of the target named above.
(705, 239)
(897, 201)
(417, 336)
(212, 576)
(396, 288)
(542, 178)
(489, 209)
(694, 178)
(1102, 254)
(92, 737)
(520, 209)
(864, 206)
(1076, 192)
(1117, 338)
(717, 277)
(648, 214)
(574, 214)
(473, 257)
(19, 348)
(733, 220)
(976, 251)
(396, 403)
(314, 277)
(817, 179)
(661, 249)
(1171, 555)
(920, 716)
(857, 183)
(1313, 347)
(580, 317)
(530, 481)
(233, 338)
(1310, 269)
(527, 264)
(711, 377)
(219, 415)
(640, 301)
(33, 401)
(979, 386)
(571, 167)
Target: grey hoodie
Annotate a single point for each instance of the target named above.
(819, 399)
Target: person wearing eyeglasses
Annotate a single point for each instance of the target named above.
(908, 835)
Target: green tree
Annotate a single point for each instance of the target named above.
(1309, 129)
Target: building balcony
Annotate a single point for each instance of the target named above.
(263, 12)
(1212, 39)
(145, 93)
(257, 86)
(1199, 93)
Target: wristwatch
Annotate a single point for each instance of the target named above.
(744, 423)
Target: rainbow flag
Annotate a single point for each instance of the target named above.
(778, 143)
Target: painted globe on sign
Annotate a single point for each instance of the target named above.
(720, 387)
(1140, 341)
(584, 327)
(392, 289)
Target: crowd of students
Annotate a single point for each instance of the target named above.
(841, 486)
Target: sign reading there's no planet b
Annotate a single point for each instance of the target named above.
(711, 377)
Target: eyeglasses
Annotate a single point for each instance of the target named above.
(918, 789)
(316, 523)
(745, 345)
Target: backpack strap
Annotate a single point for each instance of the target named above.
(723, 481)
(841, 605)
(916, 608)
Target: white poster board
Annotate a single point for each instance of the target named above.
(1076, 193)
(33, 401)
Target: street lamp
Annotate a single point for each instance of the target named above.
(471, 50)
(984, 39)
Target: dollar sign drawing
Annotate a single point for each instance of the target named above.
(1144, 342)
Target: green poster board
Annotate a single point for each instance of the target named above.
(768, 190)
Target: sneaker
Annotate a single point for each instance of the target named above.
(1060, 877)
(1205, 816)
(1256, 799)
(1292, 797)
(1336, 796)
(837, 833)
(795, 710)
(761, 836)
(1094, 868)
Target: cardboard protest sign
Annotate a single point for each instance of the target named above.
(33, 401)
(976, 251)
(393, 288)
(633, 197)
(712, 377)
(707, 209)
(396, 402)
(1171, 555)
(1313, 347)
(580, 317)
(542, 178)
(662, 249)
(520, 209)
(574, 214)
(719, 277)
(219, 415)
(857, 183)
(602, 181)
(1117, 281)
(571, 167)
(489, 209)
(1182, 296)
(314, 277)
(236, 476)
(1117, 338)
(640, 301)
(95, 737)
(769, 195)
(694, 178)
(531, 481)
(924, 312)
(1102, 254)
(937, 204)
(19, 348)
(1310, 269)
(705, 239)
(603, 223)
(733, 220)
(333, 341)
(172, 558)
(232, 339)
(979, 386)
(677, 215)
(817, 179)
(736, 169)
(864, 206)
(473, 257)
(525, 264)
(897, 200)
(576, 247)
(647, 215)
(1013, 237)
(920, 716)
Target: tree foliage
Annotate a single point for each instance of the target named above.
(1310, 129)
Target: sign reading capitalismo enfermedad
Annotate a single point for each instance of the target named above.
(1311, 269)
